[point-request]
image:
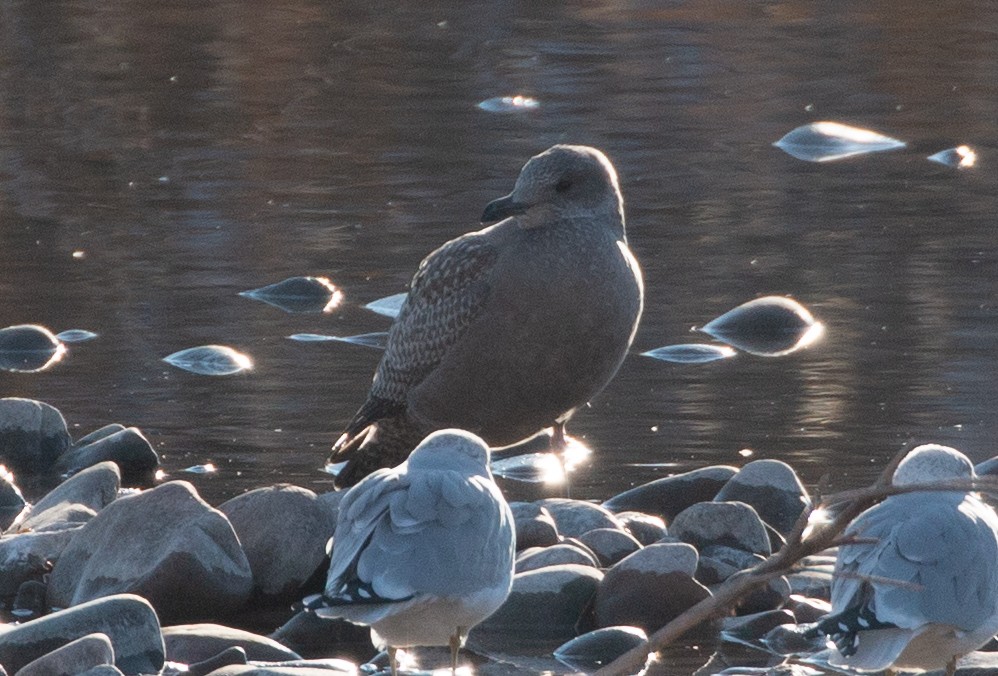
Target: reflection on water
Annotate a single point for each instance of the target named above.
(156, 160)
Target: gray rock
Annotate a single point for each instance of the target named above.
(98, 434)
(307, 633)
(789, 639)
(771, 596)
(646, 528)
(76, 500)
(283, 530)
(12, 502)
(574, 518)
(33, 435)
(29, 556)
(649, 588)
(772, 488)
(754, 627)
(813, 577)
(597, 648)
(77, 656)
(610, 544)
(534, 526)
(227, 657)
(555, 555)
(128, 620)
(127, 448)
(719, 562)
(545, 604)
(733, 524)
(322, 668)
(669, 496)
(102, 670)
(189, 643)
(30, 600)
(806, 609)
(166, 544)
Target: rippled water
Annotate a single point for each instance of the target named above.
(156, 159)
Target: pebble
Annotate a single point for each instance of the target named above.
(576, 517)
(189, 643)
(535, 526)
(128, 448)
(555, 555)
(733, 524)
(772, 488)
(610, 544)
(76, 500)
(645, 528)
(86, 652)
(667, 497)
(33, 435)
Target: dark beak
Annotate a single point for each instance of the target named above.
(504, 207)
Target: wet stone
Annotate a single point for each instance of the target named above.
(190, 643)
(649, 588)
(771, 596)
(127, 448)
(77, 656)
(667, 497)
(33, 435)
(76, 500)
(555, 555)
(806, 609)
(610, 544)
(753, 627)
(645, 528)
(576, 517)
(534, 526)
(30, 600)
(28, 556)
(227, 657)
(772, 488)
(12, 502)
(599, 647)
(789, 639)
(718, 563)
(732, 524)
(307, 633)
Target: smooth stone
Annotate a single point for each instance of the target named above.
(987, 467)
(594, 649)
(283, 530)
(188, 643)
(228, 657)
(76, 500)
(29, 602)
(807, 609)
(813, 577)
(86, 652)
(555, 555)
(166, 544)
(646, 528)
(28, 556)
(610, 545)
(649, 588)
(753, 627)
(102, 670)
(733, 524)
(771, 596)
(302, 669)
(33, 435)
(128, 620)
(667, 497)
(308, 634)
(574, 518)
(12, 502)
(535, 526)
(773, 488)
(719, 562)
(98, 434)
(544, 605)
(127, 448)
(789, 639)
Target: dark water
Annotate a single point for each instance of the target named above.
(158, 158)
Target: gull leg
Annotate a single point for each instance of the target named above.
(392, 662)
(951, 667)
(558, 446)
(455, 647)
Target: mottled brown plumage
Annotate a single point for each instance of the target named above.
(507, 330)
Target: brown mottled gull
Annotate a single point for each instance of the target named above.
(424, 551)
(506, 331)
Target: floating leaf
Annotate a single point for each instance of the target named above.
(771, 326)
(28, 348)
(389, 306)
(377, 340)
(207, 468)
(690, 353)
(299, 294)
(509, 104)
(961, 157)
(827, 141)
(210, 360)
(592, 650)
(75, 335)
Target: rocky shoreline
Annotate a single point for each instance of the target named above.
(99, 578)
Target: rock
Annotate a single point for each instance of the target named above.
(610, 544)
(33, 435)
(84, 653)
(573, 518)
(102, 670)
(98, 434)
(667, 497)
(806, 609)
(127, 620)
(189, 643)
(283, 530)
(321, 668)
(307, 633)
(771, 596)
(534, 526)
(544, 605)
(813, 577)
(597, 648)
(29, 602)
(649, 588)
(29, 556)
(127, 448)
(12, 502)
(165, 544)
(718, 563)
(76, 500)
(227, 657)
(556, 555)
(751, 628)
(733, 524)
(789, 639)
(772, 488)
(645, 528)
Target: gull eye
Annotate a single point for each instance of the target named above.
(563, 185)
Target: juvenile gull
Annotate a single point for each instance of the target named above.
(918, 587)
(424, 551)
(508, 330)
